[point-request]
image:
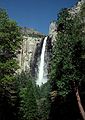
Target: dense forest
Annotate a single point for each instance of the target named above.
(63, 96)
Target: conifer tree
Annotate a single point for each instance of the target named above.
(67, 66)
(28, 103)
(10, 39)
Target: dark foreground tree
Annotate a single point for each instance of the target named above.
(67, 70)
(10, 39)
(28, 109)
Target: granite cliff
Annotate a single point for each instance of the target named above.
(31, 39)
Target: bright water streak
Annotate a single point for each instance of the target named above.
(41, 79)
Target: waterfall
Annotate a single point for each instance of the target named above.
(42, 75)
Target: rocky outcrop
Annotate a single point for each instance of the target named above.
(31, 39)
(31, 32)
(53, 25)
(53, 31)
(76, 9)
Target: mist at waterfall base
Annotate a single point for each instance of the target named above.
(42, 69)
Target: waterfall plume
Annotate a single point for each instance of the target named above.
(42, 76)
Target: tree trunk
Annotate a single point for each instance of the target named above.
(82, 112)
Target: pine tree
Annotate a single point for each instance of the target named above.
(10, 39)
(28, 103)
(67, 70)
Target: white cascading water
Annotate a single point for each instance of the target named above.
(41, 77)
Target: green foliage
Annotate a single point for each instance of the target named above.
(44, 102)
(10, 40)
(34, 100)
(28, 102)
(28, 105)
(66, 68)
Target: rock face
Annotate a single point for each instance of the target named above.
(53, 25)
(31, 39)
(53, 31)
(76, 9)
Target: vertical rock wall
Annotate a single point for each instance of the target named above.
(28, 49)
(53, 31)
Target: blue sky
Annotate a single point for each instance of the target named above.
(35, 14)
